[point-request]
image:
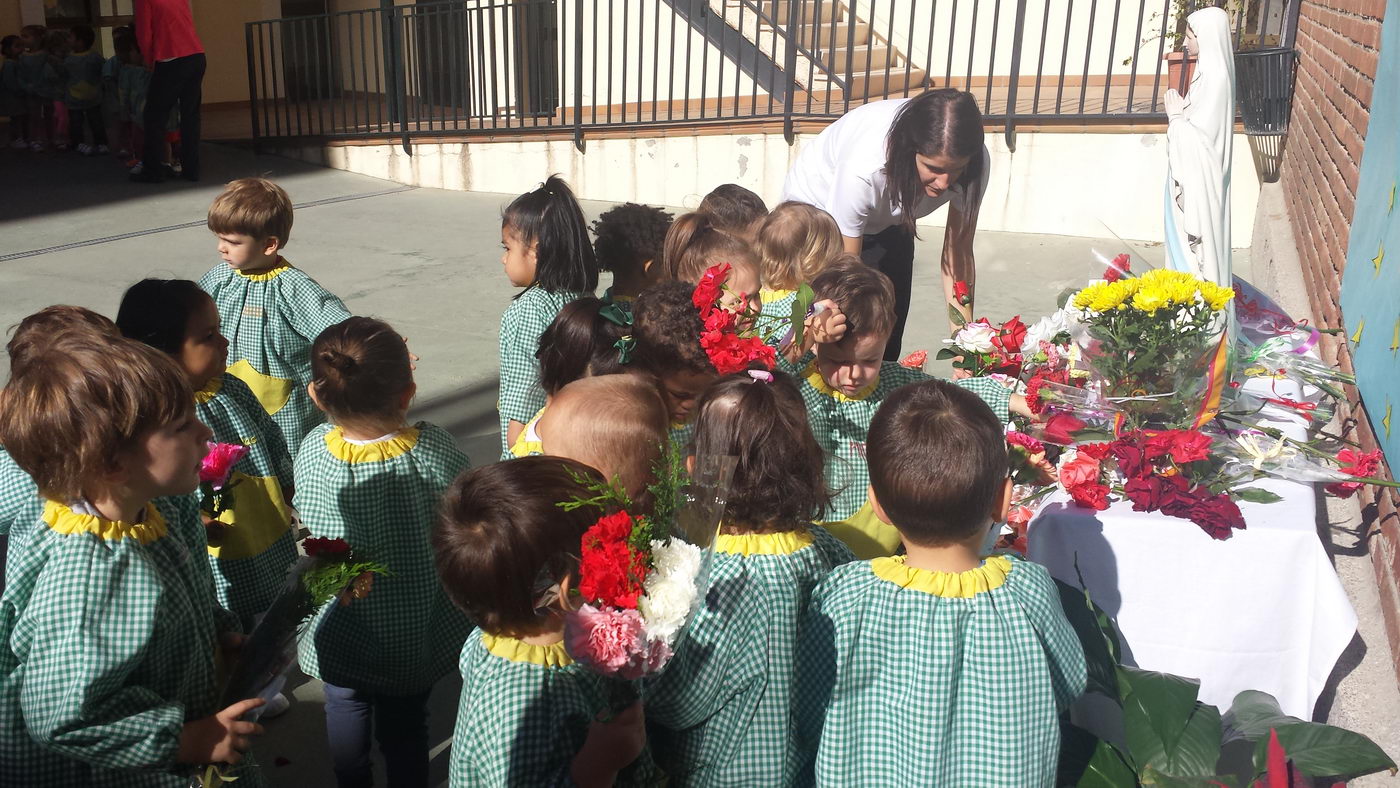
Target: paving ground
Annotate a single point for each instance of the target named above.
(72, 230)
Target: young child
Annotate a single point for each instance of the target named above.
(13, 103)
(40, 84)
(113, 113)
(735, 210)
(528, 714)
(251, 546)
(83, 92)
(547, 253)
(843, 384)
(371, 479)
(270, 310)
(109, 638)
(53, 84)
(795, 243)
(615, 423)
(587, 337)
(720, 714)
(695, 243)
(937, 663)
(668, 328)
(629, 239)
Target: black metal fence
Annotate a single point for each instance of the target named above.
(492, 66)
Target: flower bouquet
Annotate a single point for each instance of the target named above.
(735, 333)
(985, 349)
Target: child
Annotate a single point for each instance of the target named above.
(53, 84)
(695, 243)
(937, 663)
(375, 482)
(615, 423)
(83, 92)
(133, 82)
(587, 337)
(668, 329)
(109, 638)
(629, 240)
(795, 243)
(546, 252)
(251, 545)
(720, 713)
(113, 114)
(735, 210)
(844, 383)
(528, 714)
(270, 310)
(39, 82)
(13, 103)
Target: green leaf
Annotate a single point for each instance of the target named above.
(946, 353)
(1319, 750)
(1256, 495)
(1089, 624)
(955, 316)
(1151, 776)
(1166, 726)
(798, 317)
(1253, 715)
(1089, 762)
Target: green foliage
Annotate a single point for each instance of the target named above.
(326, 581)
(1316, 750)
(606, 494)
(797, 318)
(1256, 495)
(956, 317)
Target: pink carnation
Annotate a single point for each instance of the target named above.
(219, 462)
(608, 639)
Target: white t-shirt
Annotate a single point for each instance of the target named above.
(842, 172)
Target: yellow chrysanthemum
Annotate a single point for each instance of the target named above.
(1216, 297)
(1150, 298)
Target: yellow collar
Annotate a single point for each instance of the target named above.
(508, 648)
(769, 296)
(815, 379)
(268, 275)
(379, 451)
(210, 390)
(780, 543)
(64, 520)
(955, 585)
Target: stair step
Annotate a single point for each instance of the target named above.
(882, 83)
(865, 57)
(806, 11)
(829, 37)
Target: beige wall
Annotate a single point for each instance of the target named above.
(220, 25)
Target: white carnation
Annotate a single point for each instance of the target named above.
(975, 337)
(669, 590)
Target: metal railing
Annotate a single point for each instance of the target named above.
(483, 67)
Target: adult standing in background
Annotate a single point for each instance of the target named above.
(882, 166)
(171, 48)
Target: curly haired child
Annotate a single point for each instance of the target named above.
(795, 243)
(721, 712)
(668, 328)
(628, 241)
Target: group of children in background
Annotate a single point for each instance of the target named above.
(855, 630)
(60, 93)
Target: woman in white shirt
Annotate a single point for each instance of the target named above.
(883, 165)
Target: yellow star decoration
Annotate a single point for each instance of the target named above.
(1356, 337)
(1395, 338)
(1391, 206)
(1379, 258)
(1385, 422)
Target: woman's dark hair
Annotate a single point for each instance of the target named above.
(501, 539)
(628, 235)
(157, 312)
(943, 122)
(695, 242)
(360, 367)
(668, 328)
(765, 426)
(581, 342)
(550, 217)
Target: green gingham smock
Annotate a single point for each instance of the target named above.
(250, 564)
(524, 714)
(720, 714)
(521, 325)
(109, 637)
(20, 504)
(913, 677)
(776, 311)
(382, 498)
(271, 319)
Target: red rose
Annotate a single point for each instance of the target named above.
(1151, 493)
(1217, 515)
(1119, 267)
(915, 360)
(1098, 451)
(961, 293)
(1090, 496)
(1080, 471)
(1011, 336)
(1132, 461)
(1182, 446)
(1060, 429)
(317, 546)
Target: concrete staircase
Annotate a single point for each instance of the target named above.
(837, 54)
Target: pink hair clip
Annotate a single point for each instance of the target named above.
(761, 374)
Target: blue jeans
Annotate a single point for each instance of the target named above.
(399, 724)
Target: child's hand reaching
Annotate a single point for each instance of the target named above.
(827, 324)
(220, 738)
(609, 748)
(1020, 407)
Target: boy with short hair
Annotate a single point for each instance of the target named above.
(937, 663)
(615, 423)
(735, 210)
(271, 312)
(628, 241)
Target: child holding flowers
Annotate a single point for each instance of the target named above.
(374, 481)
(528, 714)
(614, 423)
(720, 714)
(548, 254)
(251, 543)
(111, 632)
(694, 245)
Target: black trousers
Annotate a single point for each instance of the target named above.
(179, 81)
(92, 118)
(891, 252)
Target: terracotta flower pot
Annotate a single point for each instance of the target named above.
(1180, 67)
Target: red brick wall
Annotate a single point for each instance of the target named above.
(1337, 44)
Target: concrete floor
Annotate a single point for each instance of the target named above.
(72, 230)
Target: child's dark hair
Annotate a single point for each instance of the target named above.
(550, 217)
(628, 235)
(7, 43)
(157, 312)
(123, 41)
(83, 36)
(41, 329)
(581, 341)
(501, 539)
(56, 41)
(864, 295)
(360, 367)
(668, 328)
(695, 242)
(779, 481)
(937, 457)
(733, 208)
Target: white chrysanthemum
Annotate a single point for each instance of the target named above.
(669, 590)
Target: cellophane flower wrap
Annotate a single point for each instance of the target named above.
(641, 578)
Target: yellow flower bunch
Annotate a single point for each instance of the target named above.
(1154, 290)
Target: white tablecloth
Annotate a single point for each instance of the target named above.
(1262, 610)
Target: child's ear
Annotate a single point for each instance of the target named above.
(646, 267)
(271, 244)
(311, 390)
(876, 507)
(1001, 505)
